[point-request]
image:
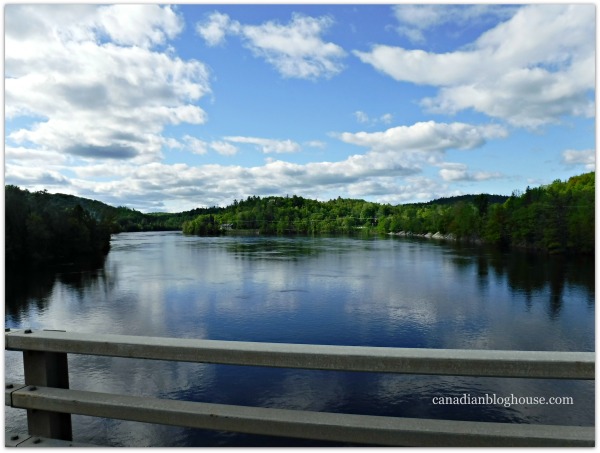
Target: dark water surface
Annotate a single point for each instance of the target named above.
(341, 291)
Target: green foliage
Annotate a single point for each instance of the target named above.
(469, 199)
(203, 225)
(129, 220)
(464, 220)
(556, 218)
(42, 229)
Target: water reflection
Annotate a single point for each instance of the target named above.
(21, 295)
(373, 292)
(530, 274)
(275, 249)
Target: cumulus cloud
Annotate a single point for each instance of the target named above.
(316, 144)
(223, 148)
(363, 118)
(195, 145)
(94, 87)
(215, 28)
(33, 156)
(122, 182)
(295, 49)
(386, 118)
(91, 81)
(389, 171)
(530, 70)
(106, 152)
(267, 145)
(139, 25)
(414, 20)
(423, 144)
(414, 188)
(425, 137)
(586, 157)
(459, 172)
(220, 184)
(36, 177)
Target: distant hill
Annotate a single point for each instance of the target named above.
(60, 201)
(468, 199)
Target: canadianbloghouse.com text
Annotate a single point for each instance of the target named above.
(506, 401)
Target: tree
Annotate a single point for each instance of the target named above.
(44, 229)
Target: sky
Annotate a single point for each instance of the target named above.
(172, 107)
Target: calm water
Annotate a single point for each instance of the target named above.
(341, 291)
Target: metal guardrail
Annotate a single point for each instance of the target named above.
(27, 441)
(50, 403)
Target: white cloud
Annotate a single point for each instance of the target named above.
(139, 25)
(415, 19)
(453, 174)
(416, 188)
(195, 145)
(459, 172)
(92, 98)
(129, 25)
(295, 50)
(363, 118)
(126, 183)
(388, 172)
(37, 178)
(95, 92)
(214, 29)
(586, 157)
(316, 144)
(33, 156)
(267, 145)
(172, 143)
(386, 118)
(425, 137)
(418, 66)
(419, 145)
(223, 148)
(530, 70)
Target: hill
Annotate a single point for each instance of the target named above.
(42, 228)
(468, 199)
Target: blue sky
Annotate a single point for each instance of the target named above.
(168, 108)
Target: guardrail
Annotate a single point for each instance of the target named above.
(49, 401)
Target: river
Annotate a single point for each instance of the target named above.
(376, 291)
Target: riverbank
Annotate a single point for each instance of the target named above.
(437, 235)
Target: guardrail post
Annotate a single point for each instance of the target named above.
(47, 369)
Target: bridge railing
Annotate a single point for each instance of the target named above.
(49, 402)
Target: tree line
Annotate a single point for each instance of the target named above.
(43, 228)
(556, 218)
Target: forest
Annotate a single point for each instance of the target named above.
(43, 228)
(556, 218)
(40, 229)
